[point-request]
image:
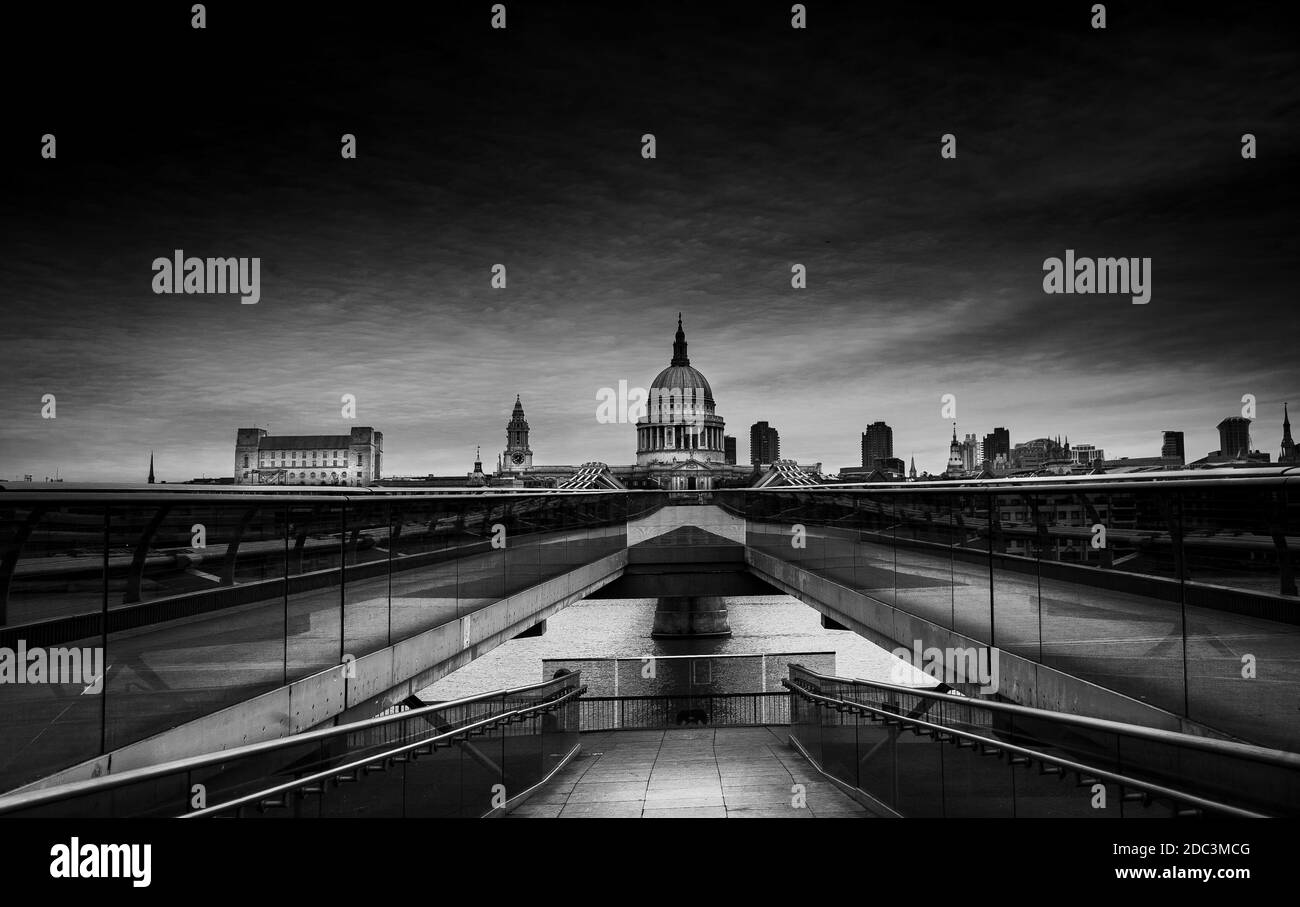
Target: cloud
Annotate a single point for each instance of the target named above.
(924, 275)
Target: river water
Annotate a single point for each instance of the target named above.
(598, 628)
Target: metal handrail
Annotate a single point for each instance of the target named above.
(42, 796)
(1278, 475)
(1268, 756)
(1181, 479)
(319, 494)
(285, 787)
(1123, 781)
(627, 697)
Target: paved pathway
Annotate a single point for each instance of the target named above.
(732, 773)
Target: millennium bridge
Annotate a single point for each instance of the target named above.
(204, 651)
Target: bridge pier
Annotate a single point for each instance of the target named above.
(696, 616)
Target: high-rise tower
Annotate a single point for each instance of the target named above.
(1234, 437)
(996, 443)
(877, 444)
(970, 454)
(764, 444)
(1172, 447)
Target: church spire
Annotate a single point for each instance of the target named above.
(151, 481)
(679, 345)
(1288, 445)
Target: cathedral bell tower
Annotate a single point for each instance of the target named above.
(955, 465)
(518, 455)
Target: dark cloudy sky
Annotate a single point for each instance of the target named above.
(522, 146)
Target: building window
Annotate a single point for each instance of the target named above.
(245, 461)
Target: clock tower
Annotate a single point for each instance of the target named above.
(518, 456)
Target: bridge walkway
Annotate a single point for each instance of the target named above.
(726, 772)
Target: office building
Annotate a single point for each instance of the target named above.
(1172, 448)
(877, 444)
(764, 444)
(352, 459)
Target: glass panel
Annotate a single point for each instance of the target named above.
(1110, 591)
(51, 607)
(1014, 537)
(924, 577)
(314, 616)
(875, 560)
(366, 592)
(1241, 544)
(215, 633)
(426, 537)
(972, 586)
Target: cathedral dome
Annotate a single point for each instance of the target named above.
(682, 377)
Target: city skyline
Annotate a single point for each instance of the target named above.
(924, 274)
(828, 467)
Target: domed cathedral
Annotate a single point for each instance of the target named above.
(680, 440)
